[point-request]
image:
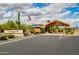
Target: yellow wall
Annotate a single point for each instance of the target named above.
(37, 29)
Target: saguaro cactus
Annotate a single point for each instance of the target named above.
(18, 18)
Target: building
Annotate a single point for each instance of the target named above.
(55, 25)
(36, 28)
(51, 26)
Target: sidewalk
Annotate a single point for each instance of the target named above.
(60, 34)
(16, 39)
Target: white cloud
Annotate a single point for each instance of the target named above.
(9, 14)
(50, 9)
(40, 15)
(63, 14)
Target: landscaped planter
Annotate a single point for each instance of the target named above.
(2, 38)
(10, 36)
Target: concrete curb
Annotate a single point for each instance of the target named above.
(61, 34)
(32, 36)
(16, 39)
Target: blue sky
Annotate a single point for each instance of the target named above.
(40, 5)
(40, 12)
(72, 9)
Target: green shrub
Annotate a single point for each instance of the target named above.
(10, 36)
(69, 31)
(3, 38)
(12, 25)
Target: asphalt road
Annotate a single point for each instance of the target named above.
(42, 45)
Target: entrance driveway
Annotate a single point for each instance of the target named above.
(43, 45)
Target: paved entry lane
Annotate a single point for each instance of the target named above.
(42, 45)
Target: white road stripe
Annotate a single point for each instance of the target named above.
(61, 37)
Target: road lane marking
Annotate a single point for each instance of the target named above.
(61, 37)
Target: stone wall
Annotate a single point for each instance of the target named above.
(14, 32)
